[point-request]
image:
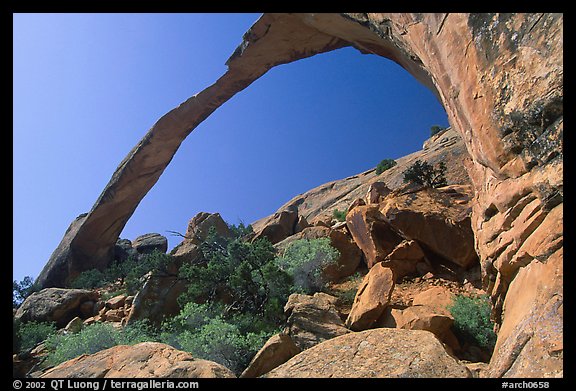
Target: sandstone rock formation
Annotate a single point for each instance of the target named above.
(279, 226)
(500, 78)
(276, 351)
(434, 220)
(312, 319)
(372, 298)
(144, 360)
(157, 299)
(377, 353)
(405, 259)
(188, 251)
(147, 243)
(372, 233)
(54, 305)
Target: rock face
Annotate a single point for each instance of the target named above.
(157, 299)
(54, 305)
(371, 299)
(278, 226)
(377, 353)
(276, 351)
(500, 78)
(434, 220)
(405, 258)
(144, 360)
(312, 319)
(372, 233)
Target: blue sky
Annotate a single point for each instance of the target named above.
(87, 87)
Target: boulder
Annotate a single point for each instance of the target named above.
(312, 319)
(371, 299)
(355, 203)
(376, 192)
(350, 255)
(157, 299)
(422, 317)
(54, 305)
(74, 326)
(144, 360)
(372, 233)
(377, 353)
(301, 224)
(278, 226)
(404, 259)
(199, 227)
(147, 243)
(87, 309)
(276, 351)
(434, 220)
(437, 297)
(116, 302)
(188, 251)
(123, 250)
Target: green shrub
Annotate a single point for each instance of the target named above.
(22, 289)
(422, 173)
(435, 129)
(385, 165)
(347, 296)
(472, 320)
(240, 230)
(89, 279)
(304, 260)
(129, 272)
(339, 215)
(94, 338)
(222, 342)
(207, 332)
(243, 274)
(89, 340)
(31, 334)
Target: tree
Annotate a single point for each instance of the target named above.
(435, 129)
(243, 275)
(422, 173)
(385, 165)
(21, 290)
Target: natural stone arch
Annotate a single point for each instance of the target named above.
(500, 79)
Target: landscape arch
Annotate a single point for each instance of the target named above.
(500, 79)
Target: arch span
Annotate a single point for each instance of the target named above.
(500, 79)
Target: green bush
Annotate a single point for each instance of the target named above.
(89, 279)
(94, 338)
(385, 165)
(22, 289)
(129, 272)
(240, 230)
(339, 215)
(208, 332)
(220, 341)
(89, 340)
(435, 129)
(31, 334)
(472, 320)
(305, 259)
(422, 173)
(243, 274)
